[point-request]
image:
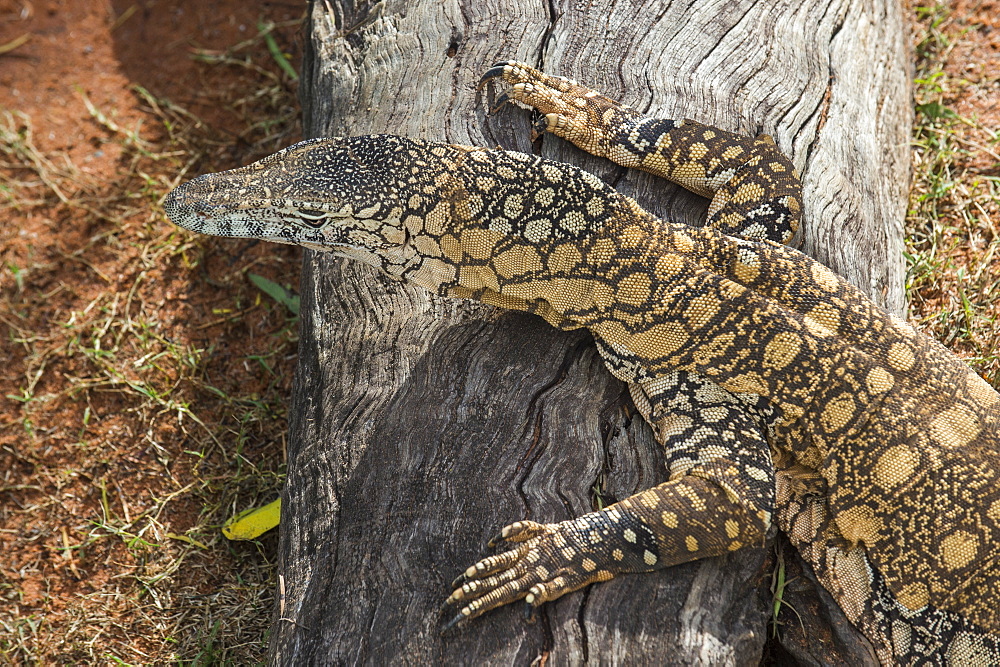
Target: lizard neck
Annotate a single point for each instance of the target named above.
(571, 279)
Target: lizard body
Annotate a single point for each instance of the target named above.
(778, 390)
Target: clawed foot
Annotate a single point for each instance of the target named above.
(571, 111)
(532, 89)
(549, 561)
(525, 79)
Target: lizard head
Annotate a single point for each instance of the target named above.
(342, 195)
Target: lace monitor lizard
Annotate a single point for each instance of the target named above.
(778, 390)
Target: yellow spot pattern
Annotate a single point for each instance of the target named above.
(750, 359)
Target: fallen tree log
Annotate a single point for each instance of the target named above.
(421, 425)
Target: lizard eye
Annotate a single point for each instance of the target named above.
(313, 218)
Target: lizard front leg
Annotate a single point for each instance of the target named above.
(720, 498)
(754, 188)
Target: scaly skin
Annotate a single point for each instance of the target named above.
(776, 388)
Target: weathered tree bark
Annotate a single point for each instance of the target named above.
(422, 425)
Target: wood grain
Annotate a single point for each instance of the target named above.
(422, 425)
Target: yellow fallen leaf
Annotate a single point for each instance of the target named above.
(254, 522)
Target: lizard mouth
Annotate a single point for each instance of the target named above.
(276, 221)
(196, 206)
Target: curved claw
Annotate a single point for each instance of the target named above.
(503, 99)
(492, 73)
(530, 613)
(519, 531)
(498, 538)
(456, 620)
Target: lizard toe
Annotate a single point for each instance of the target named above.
(542, 567)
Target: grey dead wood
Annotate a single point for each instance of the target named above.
(421, 425)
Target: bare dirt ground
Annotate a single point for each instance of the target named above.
(143, 376)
